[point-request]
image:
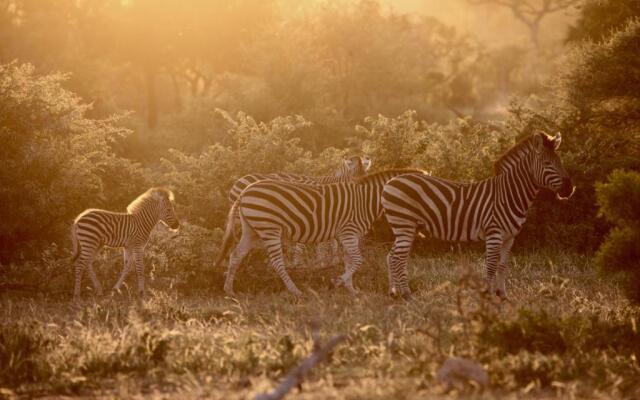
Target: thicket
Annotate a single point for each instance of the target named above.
(619, 200)
(55, 161)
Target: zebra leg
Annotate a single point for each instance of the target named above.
(79, 267)
(138, 256)
(125, 271)
(503, 268)
(94, 279)
(353, 260)
(493, 246)
(397, 261)
(273, 245)
(324, 253)
(248, 241)
(87, 254)
(298, 253)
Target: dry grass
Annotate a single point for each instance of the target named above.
(564, 333)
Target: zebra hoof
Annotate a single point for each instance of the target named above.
(502, 295)
(337, 282)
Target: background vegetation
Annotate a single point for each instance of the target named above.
(101, 99)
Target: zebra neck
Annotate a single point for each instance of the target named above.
(516, 190)
(146, 219)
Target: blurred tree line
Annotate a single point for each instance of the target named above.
(100, 99)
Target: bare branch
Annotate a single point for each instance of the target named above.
(295, 377)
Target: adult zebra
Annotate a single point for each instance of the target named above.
(94, 228)
(350, 169)
(270, 210)
(494, 209)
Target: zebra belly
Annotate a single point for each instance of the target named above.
(451, 236)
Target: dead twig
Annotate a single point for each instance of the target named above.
(295, 377)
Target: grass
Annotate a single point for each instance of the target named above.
(565, 332)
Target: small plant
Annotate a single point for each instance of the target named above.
(23, 347)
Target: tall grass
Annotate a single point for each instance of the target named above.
(564, 332)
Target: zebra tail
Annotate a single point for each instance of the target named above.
(227, 239)
(74, 243)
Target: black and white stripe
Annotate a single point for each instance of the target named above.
(351, 168)
(272, 210)
(94, 228)
(493, 210)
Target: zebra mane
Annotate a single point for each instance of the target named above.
(518, 152)
(147, 197)
(395, 171)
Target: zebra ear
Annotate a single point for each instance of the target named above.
(538, 141)
(366, 163)
(557, 141)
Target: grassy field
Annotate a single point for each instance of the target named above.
(565, 332)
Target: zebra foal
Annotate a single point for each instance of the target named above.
(272, 210)
(492, 210)
(94, 228)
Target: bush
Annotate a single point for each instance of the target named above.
(202, 181)
(619, 201)
(55, 161)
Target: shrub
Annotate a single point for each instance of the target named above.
(55, 161)
(619, 201)
(202, 181)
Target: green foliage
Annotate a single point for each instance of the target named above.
(460, 150)
(202, 181)
(619, 198)
(56, 162)
(599, 18)
(619, 201)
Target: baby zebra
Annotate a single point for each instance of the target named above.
(94, 228)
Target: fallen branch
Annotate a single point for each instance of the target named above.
(296, 376)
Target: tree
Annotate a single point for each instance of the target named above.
(598, 19)
(531, 12)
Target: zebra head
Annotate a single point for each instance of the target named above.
(166, 212)
(354, 167)
(548, 170)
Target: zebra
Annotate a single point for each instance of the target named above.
(270, 210)
(351, 168)
(493, 210)
(95, 228)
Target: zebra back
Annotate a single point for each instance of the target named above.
(350, 168)
(315, 213)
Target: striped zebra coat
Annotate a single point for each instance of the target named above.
(350, 169)
(271, 210)
(94, 228)
(493, 210)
